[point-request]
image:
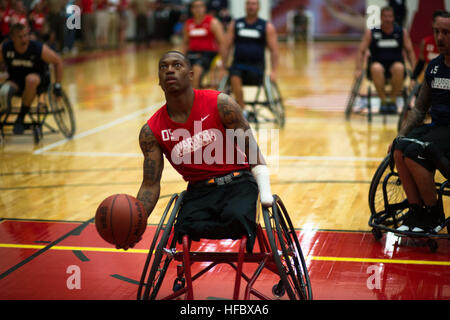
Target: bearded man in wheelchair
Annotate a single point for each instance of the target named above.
(420, 148)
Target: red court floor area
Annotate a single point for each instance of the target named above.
(69, 260)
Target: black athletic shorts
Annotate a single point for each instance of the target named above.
(225, 211)
(438, 135)
(201, 58)
(251, 75)
(387, 68)
(43, 85)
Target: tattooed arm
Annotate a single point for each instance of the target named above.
(232, 118)
(153, 166)
(417, 114)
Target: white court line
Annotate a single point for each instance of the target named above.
(97, 129)
(93, 154)
(139, 155)
(329, 158)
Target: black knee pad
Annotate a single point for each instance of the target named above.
(417, 153)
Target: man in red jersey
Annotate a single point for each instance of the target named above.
(197, 131)
(203, 39)
(428, 51)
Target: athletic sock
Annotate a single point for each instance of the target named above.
(19, 123)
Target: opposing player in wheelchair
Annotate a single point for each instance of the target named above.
(385, 64)
(418, 151)
(27, 64)
(223, 186)
(249, 37)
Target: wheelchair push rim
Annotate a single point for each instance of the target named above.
(286, 252)
(385, 192)
(159, 264)
(158, 233)
(62, 112)
(386, 213)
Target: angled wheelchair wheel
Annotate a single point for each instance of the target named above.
(287, 253)
(387, 199)
(275, 101)
(353, 95)
(158, 233)
(62, 112)
(162, 255)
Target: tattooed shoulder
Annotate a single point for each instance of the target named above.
(147, 140)
(230, 113)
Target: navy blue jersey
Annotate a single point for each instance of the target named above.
(437, 77)
(250, 42)
(20, 65)
(387, 47)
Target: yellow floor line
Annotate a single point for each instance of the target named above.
(315, 258)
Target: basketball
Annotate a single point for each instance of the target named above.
(121, 220)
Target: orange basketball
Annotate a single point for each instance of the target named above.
(121, 220)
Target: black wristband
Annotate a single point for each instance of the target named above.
(418, 69)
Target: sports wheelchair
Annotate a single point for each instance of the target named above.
(355, 94)
(46, 103)
(266, 109)
(279, 252)
(387, 200)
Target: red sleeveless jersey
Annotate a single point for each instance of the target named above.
(199, 148)
(430, 49)
(201, 37)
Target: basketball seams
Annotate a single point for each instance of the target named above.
(130, 212)
(111, 219)
(113, 228)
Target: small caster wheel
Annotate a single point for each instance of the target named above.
(278, 290)
(178, 284)
(377, 234)
(37, 134)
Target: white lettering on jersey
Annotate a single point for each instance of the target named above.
(388, 43)
(441, 83)
(249, 33)
(166, 134)
(198, 32)
(192, 144)
(434, 70)
(22, 63)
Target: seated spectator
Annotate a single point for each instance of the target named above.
(37, 19)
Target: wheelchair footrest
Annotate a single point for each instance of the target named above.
(222, 257)
(415, 234)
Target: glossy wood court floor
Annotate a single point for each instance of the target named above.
(321, 167)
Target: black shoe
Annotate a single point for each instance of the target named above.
(19, 126)
(392, 108)
(412, 218)
(384, 108)
(431, 220)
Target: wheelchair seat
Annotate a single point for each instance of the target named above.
(278, 251)
(267, 108)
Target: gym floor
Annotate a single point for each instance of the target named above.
(49, 192)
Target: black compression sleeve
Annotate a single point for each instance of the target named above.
(418, 69)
